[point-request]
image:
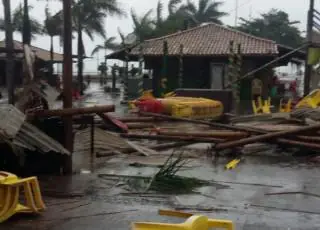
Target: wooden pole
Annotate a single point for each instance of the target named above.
(26, 35)
(238, 75)
(73, 111)
(9, 47)
(80, 55)
(181, 66)
(230, 127)
(140, 83)
(308, 68)
(67, 82)
(126, 77)
(231, 64)
(215, 134)
(265, 137)
(172, 138)
(212, 124)
(249, 74)
(164, 70)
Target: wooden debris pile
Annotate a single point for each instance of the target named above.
(150, 133)
(284, 130)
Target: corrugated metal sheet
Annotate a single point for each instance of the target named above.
(22, 134)
(11, 120)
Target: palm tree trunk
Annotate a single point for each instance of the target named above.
(80, 58)
(26, 24)
(9, 46)
(51, 57)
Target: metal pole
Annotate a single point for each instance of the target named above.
(308, 68)
(67, 82)
(9, 46)
(236, 13)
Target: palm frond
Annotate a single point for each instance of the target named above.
(172, 6)
(135, 18)
(122, 36)
(97, 49)
(203, 6)
(159, 13)
(146, 20)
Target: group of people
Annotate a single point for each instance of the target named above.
(288, 89)
(277, 90)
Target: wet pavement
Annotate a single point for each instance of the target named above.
(248, 195)
(265, 192)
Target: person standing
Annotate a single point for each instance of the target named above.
(88, 79)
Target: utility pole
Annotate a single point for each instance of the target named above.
(67, 83)
(308, 68)
(9, 46)
(236, 13)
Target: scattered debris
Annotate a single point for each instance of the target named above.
(292, 193)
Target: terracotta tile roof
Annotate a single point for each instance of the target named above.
(40, 53)
(209, 40)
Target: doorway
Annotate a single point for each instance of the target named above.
(217, 73)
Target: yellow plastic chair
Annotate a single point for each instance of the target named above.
(10, 186)
(312, 100)
(285, 107)
(212, 223)
(260, 107)
(192, 223)
(10, 204)
(266, 107)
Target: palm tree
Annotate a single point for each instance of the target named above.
(205, 11)
(108, 44)
(143, 27)
(9, 45)
(18, 22)
(89, 17)
(174, 21)
(173, 6)
(52, 27)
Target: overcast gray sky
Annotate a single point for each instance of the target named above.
(297, 9)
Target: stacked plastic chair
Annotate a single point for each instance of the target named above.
(193, 222)
(261, 107)
(10, 189)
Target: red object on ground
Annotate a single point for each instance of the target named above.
(115, 122)
(76, 94)
(151, 106)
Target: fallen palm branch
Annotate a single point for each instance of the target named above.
(166, 179)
